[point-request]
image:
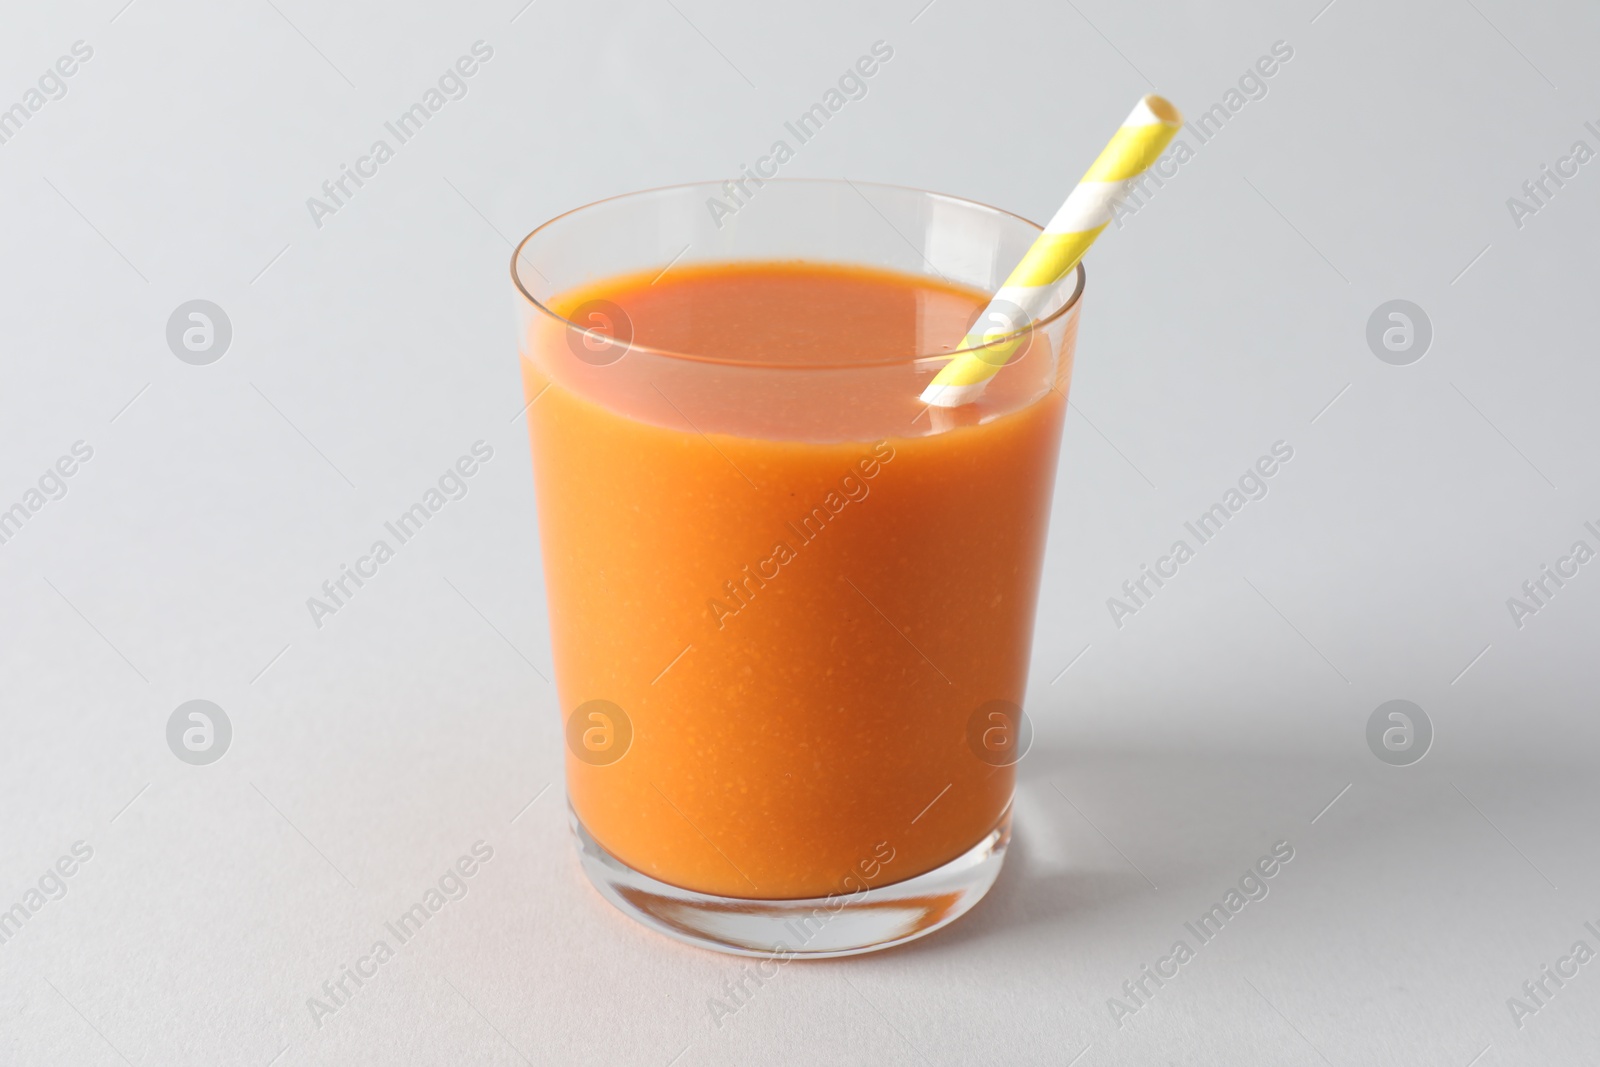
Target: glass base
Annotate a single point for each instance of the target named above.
(813, 928)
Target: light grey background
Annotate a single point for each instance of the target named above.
(367, 354)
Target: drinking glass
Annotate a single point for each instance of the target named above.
(791, 606)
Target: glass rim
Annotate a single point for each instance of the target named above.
(1081, 279)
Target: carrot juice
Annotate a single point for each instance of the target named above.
(787, 586)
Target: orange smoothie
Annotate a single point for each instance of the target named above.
(797, 619)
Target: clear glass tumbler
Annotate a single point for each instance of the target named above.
(791, 607)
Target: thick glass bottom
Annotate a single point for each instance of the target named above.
(815, 928)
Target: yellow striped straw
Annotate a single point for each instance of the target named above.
(1088, 210)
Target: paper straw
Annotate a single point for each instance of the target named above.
(1088, 209)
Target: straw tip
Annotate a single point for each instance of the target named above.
(1161, 109)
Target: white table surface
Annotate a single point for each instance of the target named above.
(369, 352)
